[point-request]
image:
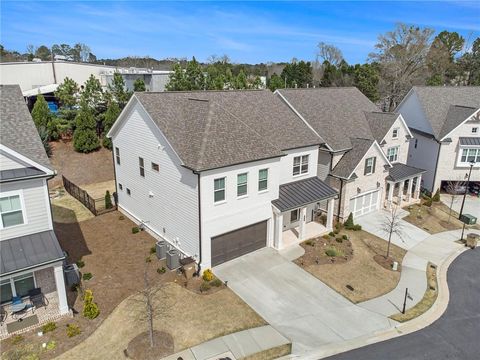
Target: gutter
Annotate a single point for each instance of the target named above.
(33, 266)
(48, 176)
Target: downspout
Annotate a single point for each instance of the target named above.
(436, 167)
(114, 174)
(199, 230)
(340, 199)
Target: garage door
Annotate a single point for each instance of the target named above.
(238, 242)
(363, 204)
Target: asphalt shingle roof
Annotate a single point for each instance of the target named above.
(17, 130)
(380, 123)
(400, 171)
(212, 129)
(437, 104)
(299, 193)
(352, 158)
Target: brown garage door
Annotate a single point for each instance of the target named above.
(238, 242)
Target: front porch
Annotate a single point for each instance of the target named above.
(403, 186)
(312, 229)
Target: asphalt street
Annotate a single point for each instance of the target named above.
(456, 335)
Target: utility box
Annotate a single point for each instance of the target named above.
(188, 266)
(161, 249)
(468, 219)
(173, 259)
(72, 275)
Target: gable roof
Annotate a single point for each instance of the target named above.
(380, 123)
(446, 107)
(212, 129)
(352, 158)
(17, 130)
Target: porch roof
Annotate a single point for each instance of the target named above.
(28, 251)
(400, 172)
(303, 192)
(472, 141)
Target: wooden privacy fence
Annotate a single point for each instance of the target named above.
(96, 206)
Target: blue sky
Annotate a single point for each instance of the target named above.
(246, 31)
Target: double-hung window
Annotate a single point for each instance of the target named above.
(242, 184)
(219, 189)
(392, 154)
(470, 155)
(300, 165)
(141, 165)
(262, 179)
(117, 155)
(369, 166)
(395, 133)
(11, 211)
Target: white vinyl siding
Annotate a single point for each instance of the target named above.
(242, 184)
(263, 180)
(219, 190)
(36, 215)
(7, 163)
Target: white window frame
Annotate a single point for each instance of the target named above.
(303, 161)
(395, 133)
(475, 130)
(466, 163)
(141, 166)
(239, 196)
(259, 180)
(22, 204)
(371, 165)
(117, 155)
(224, 189)
(394, 157)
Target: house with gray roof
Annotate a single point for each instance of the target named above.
(445, 123)
(364, 154)
(31, 257)
(218, 174)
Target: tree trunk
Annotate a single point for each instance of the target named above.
(150, 321)
(389, 241)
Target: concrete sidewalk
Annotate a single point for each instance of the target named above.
(436, 249)
(235, 346)
(411, 236)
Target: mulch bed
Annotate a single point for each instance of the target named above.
(315, 251)
(386, 263)
(139, 347)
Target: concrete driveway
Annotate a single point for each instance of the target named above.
(411, 235)
(298, 305)
(472, 204)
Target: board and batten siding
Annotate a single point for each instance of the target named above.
(37, 215)
(167, 200)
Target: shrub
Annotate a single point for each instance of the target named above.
(17, 339)
(323, 219)
(74, 287)
(310, 242)
(161, 270)
(216, 282)
(339, 239)
(51, 345)
(204, 286)
(349, 223)
(326, 237)
(87, 276)
(121, 217)
(73, 330)
(338, 226)
(332, 252)
(135, 229)
(90, 308)
(108, 200)
(357, 227)
(148, 259)
(336, 231)
(50, 326)
(153, 250)
(345, 237)
(331, 233)
(207, 275)
(436, 197)
(80, 263)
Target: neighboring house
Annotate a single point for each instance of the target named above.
(31, 256)
(365, 152)
(218, 174)
(445, 122)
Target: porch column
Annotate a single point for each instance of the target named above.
(400, 193)
(278, 230)
(61, 292)
(409, 191)
(303, 221)
(391, 187)
(330, 207)
(418, 186)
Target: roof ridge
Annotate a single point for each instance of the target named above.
(204, 137)
(198, 91)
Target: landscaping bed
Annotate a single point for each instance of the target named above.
(355, 274)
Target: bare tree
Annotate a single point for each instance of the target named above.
(392, 224)
(454, 188)
(330, 53)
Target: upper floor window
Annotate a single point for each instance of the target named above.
(470, 155)
(300, 165)
(474, 130)
(370, 165)
(219, 189)
(262, 179)
(395, 133)
(392, 154)
(11, 210)
(242, 180)
(155, 167)
(141, 165)
(117, 155)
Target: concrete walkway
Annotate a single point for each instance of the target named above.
(295, 303)
(235, 346)
(411, 236)
(436, 249)
(472, 204)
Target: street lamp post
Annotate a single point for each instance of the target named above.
(472, 163)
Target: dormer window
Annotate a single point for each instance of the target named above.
(395, 133)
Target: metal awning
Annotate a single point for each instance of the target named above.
(303, 192)
(20, 173)
(400, 172)
(470, 141)
(29, 251)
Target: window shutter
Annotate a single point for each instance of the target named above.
(374, 162)
(365, 169)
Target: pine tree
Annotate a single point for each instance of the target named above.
(85, 137)
(139, 85)
(118, 90)
(349, 223)
(111, 116)
(41, 112)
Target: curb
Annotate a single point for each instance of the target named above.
(422, 321)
